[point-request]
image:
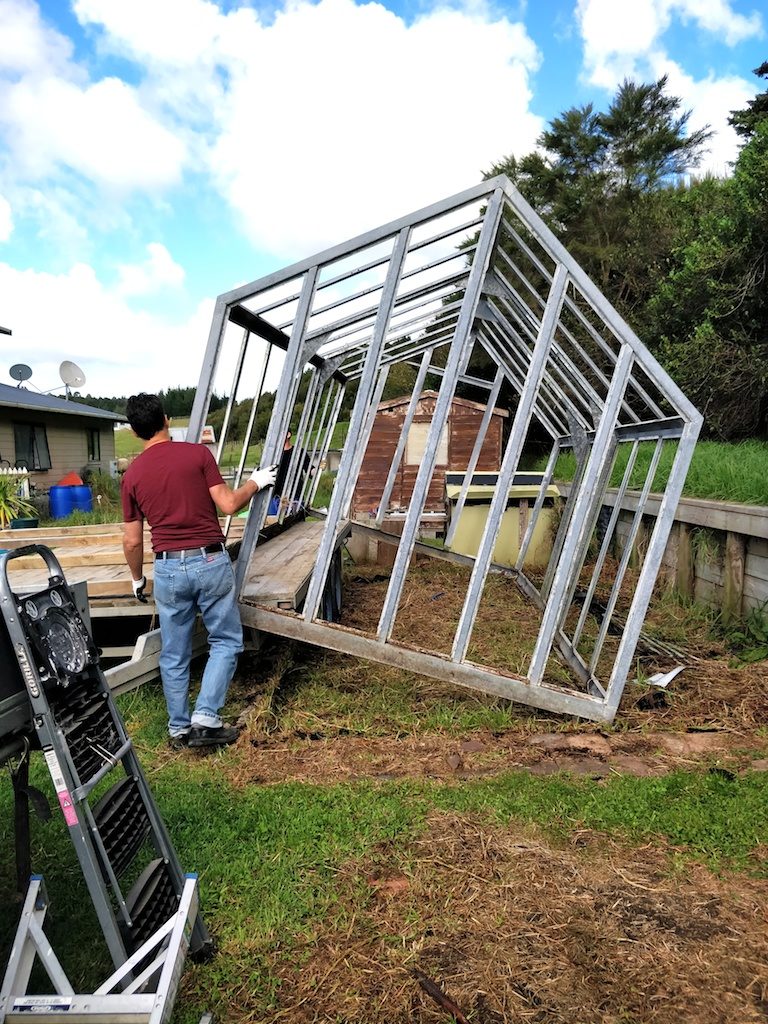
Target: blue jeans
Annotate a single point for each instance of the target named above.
(182, 587)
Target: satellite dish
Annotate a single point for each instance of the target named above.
(20, 372)
(71, 374)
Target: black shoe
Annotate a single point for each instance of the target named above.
(211, 736)
(179, 742)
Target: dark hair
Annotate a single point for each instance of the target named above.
(145, 414)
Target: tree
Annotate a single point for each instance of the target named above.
(711, 311)
(746, 121)
(600, 179)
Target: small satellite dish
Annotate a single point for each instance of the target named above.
(71, 374)
(20, 372)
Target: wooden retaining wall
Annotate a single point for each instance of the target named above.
(717, 552)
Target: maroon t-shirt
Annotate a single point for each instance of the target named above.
(168, 486)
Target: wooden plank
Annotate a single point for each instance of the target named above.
(757, 546)
(749, 602)
(684, 574)
(751, 520)
(756, 565)
(68, 559)
(144, 664)
(708, 593)
(710, 572)
(756, 589)
(733, 575)
(281, 568)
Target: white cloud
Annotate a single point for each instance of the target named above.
(616, 38)
(6, 219)
(55, 120)
(175, 32)
(336, 115)
(383, 118)
(74, 316)
(158, 272)
(27, 44)
(100, 131)
(620, 44)
(711, 101)
(718, 16)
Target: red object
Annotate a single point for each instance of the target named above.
(168, 485)
(70, 480)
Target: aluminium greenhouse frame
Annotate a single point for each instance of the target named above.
(477, 272)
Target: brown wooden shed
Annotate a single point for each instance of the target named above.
(454, 451)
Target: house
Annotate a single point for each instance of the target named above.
(53, 436)
(454, 451)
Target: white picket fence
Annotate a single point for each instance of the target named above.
(23, 478)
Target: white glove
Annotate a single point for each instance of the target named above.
(139, 586)
(264, 477)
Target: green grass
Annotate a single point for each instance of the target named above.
(718, 471)
(274, 861)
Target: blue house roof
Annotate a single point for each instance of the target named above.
(22, 398)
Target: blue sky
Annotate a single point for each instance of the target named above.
(154, 153)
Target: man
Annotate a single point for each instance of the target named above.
(177, 488)
(282, 477)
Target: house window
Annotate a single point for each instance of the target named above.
(94, 445)
(31, 446)
(417, 442)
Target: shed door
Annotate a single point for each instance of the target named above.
(417, 442)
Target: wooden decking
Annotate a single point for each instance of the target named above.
(93, 554)
(279, 571)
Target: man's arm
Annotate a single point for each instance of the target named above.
(133, 547)
(229, 502)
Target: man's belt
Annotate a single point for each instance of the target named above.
(209, 549)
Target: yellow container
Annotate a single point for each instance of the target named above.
(466, 539)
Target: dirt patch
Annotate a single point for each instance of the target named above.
(516, 930)
(325, 759)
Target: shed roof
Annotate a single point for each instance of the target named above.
(22, 398)
(392, 403)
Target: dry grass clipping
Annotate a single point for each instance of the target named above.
(516, 930)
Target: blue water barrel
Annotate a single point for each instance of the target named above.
(69, 499)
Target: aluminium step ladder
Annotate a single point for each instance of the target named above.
(83, 738)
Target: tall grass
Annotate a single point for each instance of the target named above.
(721, 472)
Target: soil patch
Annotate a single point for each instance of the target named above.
(515, 929)
(318, 758)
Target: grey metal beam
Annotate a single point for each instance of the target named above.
(332, 420)
(548, 407)
(207, 372)
(581, 524)
(572, 307)
(621, 330)
(394, 465)
(366, 240)
(509, 465)
(361, 443)
(295, 358)
(348, 641)
(453, 367)
(342, 490)
(372, 289)
(627, 554)
(475, 455)
(297, 454)
(644, 588)
(605, 546)
(232, 394)
(249, 428)
(316, 432)
(546, 480)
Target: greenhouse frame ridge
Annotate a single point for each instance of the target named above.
(473, 291)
